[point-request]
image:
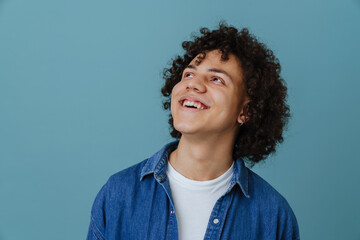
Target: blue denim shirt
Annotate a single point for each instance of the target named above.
(136, 203)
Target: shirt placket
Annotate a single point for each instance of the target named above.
(172, 228)
(217, 217)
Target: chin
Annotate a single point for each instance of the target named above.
(184, 128)
(187, 128)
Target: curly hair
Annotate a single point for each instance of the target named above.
(267, 110)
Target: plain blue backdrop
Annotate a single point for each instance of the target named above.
(80, 91)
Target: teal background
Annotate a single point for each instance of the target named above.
(80, 100)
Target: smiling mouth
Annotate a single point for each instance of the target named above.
(193, 104)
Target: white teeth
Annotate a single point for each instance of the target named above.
(197, 105)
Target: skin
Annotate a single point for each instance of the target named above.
(205, 147)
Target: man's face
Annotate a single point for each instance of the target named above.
(217, 89)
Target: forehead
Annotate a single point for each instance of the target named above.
(213, 60)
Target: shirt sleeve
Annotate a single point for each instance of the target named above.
(98, 216)
(94, 233)
(290, 228)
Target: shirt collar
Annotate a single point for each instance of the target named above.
(156, 164)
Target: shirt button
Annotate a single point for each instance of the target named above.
(216, 221)
(159, 178)
(172, 212)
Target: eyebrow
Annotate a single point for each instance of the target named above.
(216, 70)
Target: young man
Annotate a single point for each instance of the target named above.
(227, 104)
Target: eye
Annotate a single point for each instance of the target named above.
(187, 75)
(217, 79)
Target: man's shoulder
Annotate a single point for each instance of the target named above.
(120, 185)
(127, 176)
(265, 194)
(138, 175)
(272, 206)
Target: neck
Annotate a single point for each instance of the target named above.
(202, 160)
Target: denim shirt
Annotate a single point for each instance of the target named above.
(136, 203)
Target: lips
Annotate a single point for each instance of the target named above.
(195, 100)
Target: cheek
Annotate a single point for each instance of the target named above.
(220, 98)
(176, 88)
(174, 93)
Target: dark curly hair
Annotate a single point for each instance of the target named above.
(267, 110)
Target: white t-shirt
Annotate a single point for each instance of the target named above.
(194, 201)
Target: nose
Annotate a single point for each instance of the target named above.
(196, 84)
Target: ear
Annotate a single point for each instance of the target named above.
(243, 115)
